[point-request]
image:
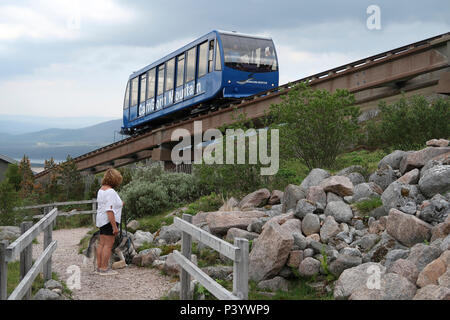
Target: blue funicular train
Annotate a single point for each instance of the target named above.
(218, 65)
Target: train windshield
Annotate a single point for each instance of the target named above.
(249, 54)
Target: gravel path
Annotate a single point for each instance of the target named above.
(132, 283)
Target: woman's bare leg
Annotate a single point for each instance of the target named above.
(100, 246)
(106, 252)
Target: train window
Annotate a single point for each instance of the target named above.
(170, 74)
(161, 80)
(134, 91)
(190, 63)
(143, 88)
(126, 102)
(211, 56)
(151, 84)
(249, 54)
(218, 58)
(180, 70)
(202, 59)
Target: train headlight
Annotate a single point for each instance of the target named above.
(229, 81)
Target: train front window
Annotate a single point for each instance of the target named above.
(126, 102)
(249, 54)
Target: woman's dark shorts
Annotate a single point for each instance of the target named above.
(107, 229)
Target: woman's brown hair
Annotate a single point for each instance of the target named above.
(112, 178)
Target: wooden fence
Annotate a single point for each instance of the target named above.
(48, 207)
(237, 252)
(24, 246)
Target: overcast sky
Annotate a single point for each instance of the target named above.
(67, 58)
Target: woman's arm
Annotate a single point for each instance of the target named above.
(112, 219)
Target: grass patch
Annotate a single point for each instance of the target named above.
(154, 223)
(367, 159)
(14, 280)
(366, 206)
(299, 289)
(208, 203)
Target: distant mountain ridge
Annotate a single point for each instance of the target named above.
(58, 143)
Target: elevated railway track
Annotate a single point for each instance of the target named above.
(419, 68)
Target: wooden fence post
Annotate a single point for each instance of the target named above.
(3, 270)
(47, 240)
(94, 210)
(26, 256)
(186, 249)
(240, 269)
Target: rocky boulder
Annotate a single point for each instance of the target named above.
(436, 210)
(421, 255)
(277, 283)
(291, 195)
(357, 277)
(340, 211)
(275, 197)
(304, 207)
(239, 233)
(419, 158)
(314, 178)
(46, 294)
(309, 267)
(310, 224)
(393, 159)
(383, 177)
(329, 229)
(406, 269)
(317, 196)
(220, 222)
(398, 195)
(411, 177)
(431, 273)
(432, 292)
(170, 234)
(10, 233)
(365, 190)
(392, 287)
(133, 225)
(140, 237)
(407, 229)
(255, 199)
(270, 252)
(435, 180)
(437, 143)
(339, 185)
(230, 205)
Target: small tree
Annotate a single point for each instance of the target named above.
(71, 181)
(27, 182)
(410, 122)
(13, 175)
(9, 198)
(52, 188)
(315, 125)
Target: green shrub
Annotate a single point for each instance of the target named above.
(315, 125)
(410, 122)
(152, 191)
(9, 198)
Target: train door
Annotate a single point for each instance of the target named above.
(160, 87)
(179, 90)
(142, 95)
(169, 82)
(202, 68)
(151, 84)
(189, 87)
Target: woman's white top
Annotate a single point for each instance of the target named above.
(108, 200)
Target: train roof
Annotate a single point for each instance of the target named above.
(191, 44)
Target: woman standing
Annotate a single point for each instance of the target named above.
(108, 219)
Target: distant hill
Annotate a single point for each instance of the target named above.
(58, 143)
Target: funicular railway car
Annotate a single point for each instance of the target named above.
(219, 65)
